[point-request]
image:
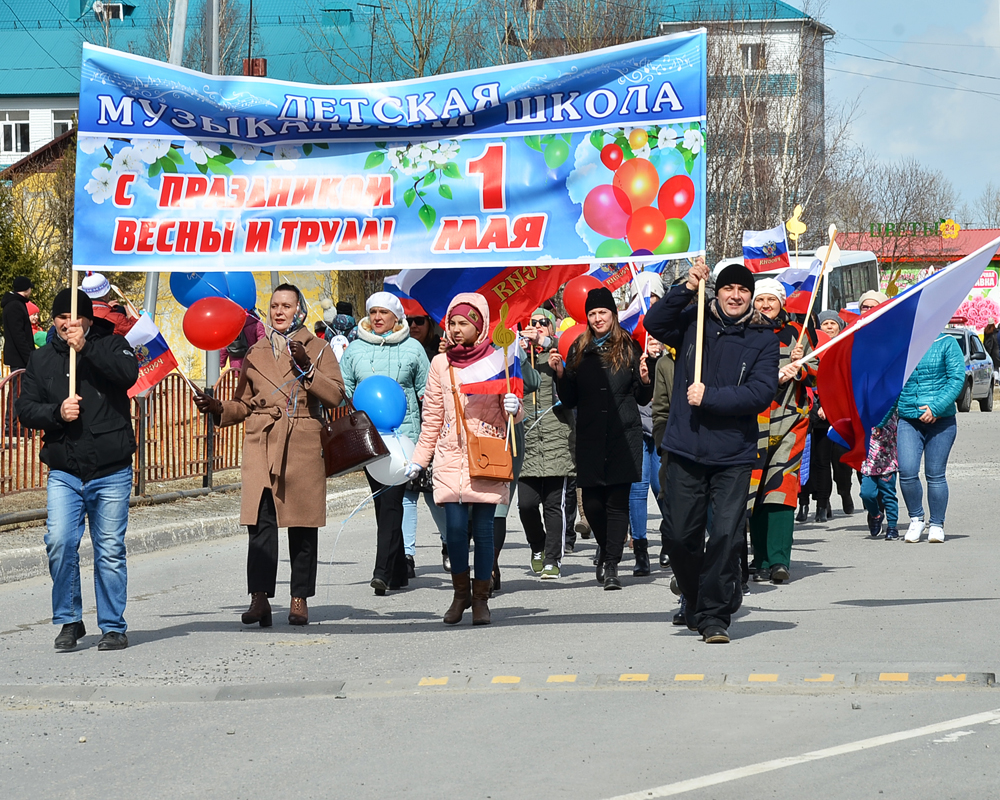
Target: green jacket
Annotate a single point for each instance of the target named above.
(936, 381)
(549, 428)
(663, 385)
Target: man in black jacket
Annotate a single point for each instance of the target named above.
(18, 341)
(711, 437)
(88, 445)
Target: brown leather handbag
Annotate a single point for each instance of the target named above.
(490, 458)
(350, 440)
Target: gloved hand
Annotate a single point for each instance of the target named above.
(511, 403)
(299, 355)
(412, 470)
(208, 405)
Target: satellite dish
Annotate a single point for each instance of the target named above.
(98, 7)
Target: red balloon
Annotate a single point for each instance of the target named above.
(575, 295)
(568, 337)
(676, 197)
(612, 156)
(605, 210)
(639, 179)
(646, 228)
(213, 323)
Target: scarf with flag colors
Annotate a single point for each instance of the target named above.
(153, 353)
(863, 371)
(765, 251)
(487, 375)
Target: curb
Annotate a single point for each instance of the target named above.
(30, 562)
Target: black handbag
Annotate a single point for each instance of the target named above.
(350, 441)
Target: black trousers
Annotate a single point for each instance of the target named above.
(606, 508)
(552, 499)
(390, 560)
(707, 569)
(826, 468)
(262, 553)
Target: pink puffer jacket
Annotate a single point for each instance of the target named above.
(441, 436)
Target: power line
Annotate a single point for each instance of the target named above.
(917, 66)
(932, 44)
(915, 83)
(37, 43)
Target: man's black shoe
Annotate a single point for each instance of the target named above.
(664, 559)
(716, 634)
(611, 581)
(70, 635)
(113, 640)
(762, 575)
(780, 574)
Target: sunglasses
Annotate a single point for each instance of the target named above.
(869, 306)
(416, 320)
(540, 321)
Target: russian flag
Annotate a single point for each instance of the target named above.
(613, 276)
(764, 251)
(487, 376)
(799, 283)
(862, 371)
(631, 317)
(153, 353)
(523, 289)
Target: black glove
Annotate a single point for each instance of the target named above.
(208, 405)
(299, 355)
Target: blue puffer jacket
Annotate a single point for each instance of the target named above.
(936, 381)
(396, 355)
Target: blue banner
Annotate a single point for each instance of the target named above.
(591, 158)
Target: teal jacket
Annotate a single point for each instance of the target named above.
(936, 382)
(397, 355)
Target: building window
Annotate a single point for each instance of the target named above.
(753, 57)
(533, 5)
(109, 11)
(62, 121)
(14, 136)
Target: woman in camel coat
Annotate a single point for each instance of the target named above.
(443, 438)
(285, 379)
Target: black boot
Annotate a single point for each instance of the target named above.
(499, 537)
(641, 549)
(611, 581)
(601, 569)
(803, 514)
(848, 502)
(445, 560)
(822, 514)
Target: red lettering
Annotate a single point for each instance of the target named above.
(218, 193)
(258, 193)
(309, 231)
(238, 184)
(288, 228)
(258, 236)
(147, 229)
(353, 193)
(123, 200)
(277, 194)
(187, 237)
(171, 191)
(495, 237)
(329, 192)
(528, 232)
(162, 245)
(124, 240)
(330, 228)
(457, 233)
(379, 191)
(211, 239)
(227, 237)
(197, 187)
(303, 193)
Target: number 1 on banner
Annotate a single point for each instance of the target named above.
(491, 165)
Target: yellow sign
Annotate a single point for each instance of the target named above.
(949, 229)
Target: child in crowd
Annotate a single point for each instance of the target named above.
(878, 483)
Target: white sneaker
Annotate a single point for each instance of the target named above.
(935, 534)
(914, 531)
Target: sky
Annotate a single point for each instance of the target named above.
(946, 120)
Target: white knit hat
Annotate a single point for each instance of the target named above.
(387, 301)
(769, 286)
(95, 285)
(654, 281)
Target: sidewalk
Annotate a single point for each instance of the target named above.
(157, 527)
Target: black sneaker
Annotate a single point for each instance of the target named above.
(780, 574)
(411, 568)
(70, 635)
(891, 535)
(762, 575)
(113, 640)
(664, 559)
(874, 525)
(715, 634)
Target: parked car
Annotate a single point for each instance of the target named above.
(978, 370)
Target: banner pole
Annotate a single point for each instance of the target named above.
(700, 337)
(814, 292)
(73, 308)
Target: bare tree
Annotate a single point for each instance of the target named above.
(988, 205)
(233, 25)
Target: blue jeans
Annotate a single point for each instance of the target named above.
(104, 501)
(933, 441)
(410, 519)
(878, 494)
(637, 509)
(457, 538)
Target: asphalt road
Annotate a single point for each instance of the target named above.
(865, 676)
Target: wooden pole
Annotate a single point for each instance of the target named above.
(510, 417)
(700, 339)
(72, 312)
(819, 280)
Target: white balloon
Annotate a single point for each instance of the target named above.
(391, 469)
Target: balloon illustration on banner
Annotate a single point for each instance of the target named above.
(568, 337)
(213, 323)
(390, 470)
(575, 295)
(189, 287)
(383, 400)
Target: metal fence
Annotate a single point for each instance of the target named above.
(174, 440)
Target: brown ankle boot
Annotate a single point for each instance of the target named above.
(480, 602)
(259, 611)
(462, 600)
(298, 614)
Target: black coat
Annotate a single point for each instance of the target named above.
(740, 373)
(101, 440)
(608, 427)
(18, 341)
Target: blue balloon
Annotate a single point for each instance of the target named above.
(190, 287)
(242, 289)
(383, 400)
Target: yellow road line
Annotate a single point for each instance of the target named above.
(894, 676)
(682, 676)
(824, 678)
(950, 678)
(433, 682)
(763, 678)
(506, 679)
(561, 679)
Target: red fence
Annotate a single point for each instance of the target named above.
(173, 437)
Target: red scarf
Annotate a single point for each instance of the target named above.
(463, 355)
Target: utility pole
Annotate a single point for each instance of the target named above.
(371, 48)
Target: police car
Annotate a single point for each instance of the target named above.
(978, 367)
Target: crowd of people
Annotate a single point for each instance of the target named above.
(731, 444)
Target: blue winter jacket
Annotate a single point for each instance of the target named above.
(936, 381)
(397, 355)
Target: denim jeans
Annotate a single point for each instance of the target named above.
(878, 494)
(104, 501)
(410, 519)
(638, 511)
(457, 538)
(933, 441)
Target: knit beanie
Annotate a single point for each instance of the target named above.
(21, 284)
(601, 297)
(878, 297)
(544, 312)
(95, 285)
(344, 307)
(735, 274)
(62, 304)
(823, 316)
(470, 312)
(770, 286)
(644, 278)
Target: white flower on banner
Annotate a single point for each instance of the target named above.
(642, 152)
(666, 139)
(422, 156)
(126, 160)
(285, 154)
(246, 152)
(693, 140)
(101, 185)
(149, 150)
(200, 152)
(91, 143)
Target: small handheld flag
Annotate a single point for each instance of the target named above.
(764, 251)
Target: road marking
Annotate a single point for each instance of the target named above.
(433, 682)
(714, 779)
(561, 679)
(763, 678)
(689, 677)
(954, 736)
(826, 677)
(894, 676)
(950, 678)
(627, 677)
(506, 679)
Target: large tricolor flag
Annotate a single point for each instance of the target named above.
(523, 289)
(764, 251)
(153, 353)
(799, 283)
(862, 371)
(487, 375)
